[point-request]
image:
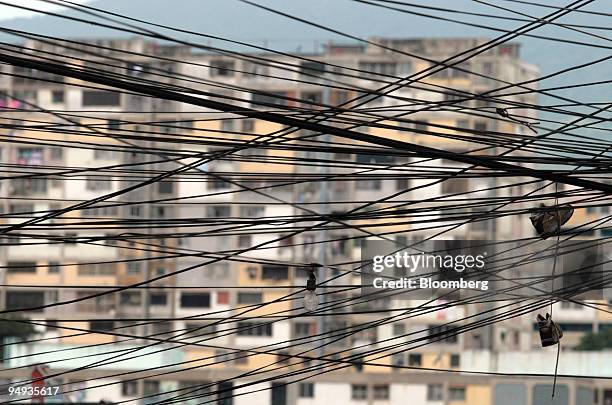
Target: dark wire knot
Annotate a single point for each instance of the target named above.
(504, 113)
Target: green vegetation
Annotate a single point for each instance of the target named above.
(596, 341)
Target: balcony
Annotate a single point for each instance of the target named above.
(27, 187)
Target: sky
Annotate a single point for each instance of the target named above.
(8, 12)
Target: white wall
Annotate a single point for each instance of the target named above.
(108, 393)
(414, 394)
(251, 397)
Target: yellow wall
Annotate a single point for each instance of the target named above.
(475, 395)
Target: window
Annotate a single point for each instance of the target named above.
(227, 125)
(187, 387)
(57, 153)
(158, 299)
(374, 69)
(404, 68)
(455, 360)
(14, 239)
(254, 329)
(480, 126)
(456, 393)
(113, 124)
(248, 125)
(199, 329)
(109, 239)
(414, 359)
(283, 357)
(21, 267)
(374, 159)
(218, 184)
(241, 358)
(151, 387)
(306, 390)
(358, 363)
(339, 97)
(341, 246)
(302, 329)
(71, 238)
(218, 211)
(359, 392)
(456, 73)
(457, 98)
(101, 326)
(421, 126)
(54, 268)
(160, 212)
(249, 298)
(369, 184)
(397, 360)
(186, 125)
(133, 268)
(276, 98)
(226, 393)
(28, 186)
(195, 300)
(101, 154)
(93, 98)
(131, 298)
(488, 69)
(52, 296)
(27, 95)
(98, 183)
(129, 388)
(381, 392)
(403, 184)
(256, 211)
(29, 156)
(162, 328)
(312, 68)
(399, 329)
(165, 187)
(222, 68)
(312, 97)
(21, 208)
(279, 393)
(272, 272)
(455, 186)
(434, 392)
(99, 269)
(57, 96)
(222, 298)
(478, 225)
(437, 332)
(483, 103)
(25, 299)
(463, 124)
(252, 69)
(244, 241)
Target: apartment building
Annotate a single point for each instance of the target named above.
(215, 287)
